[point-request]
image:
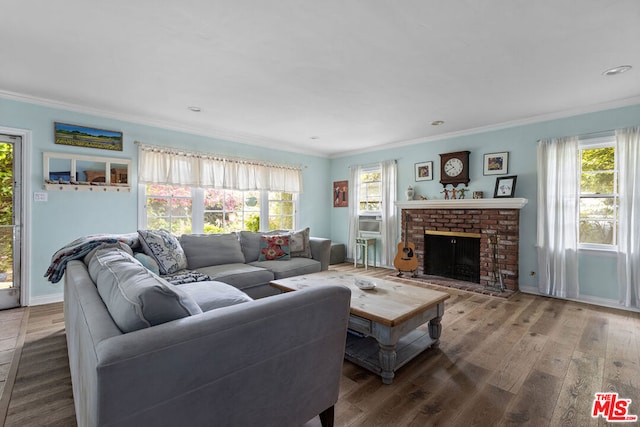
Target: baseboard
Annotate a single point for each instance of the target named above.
(46, 299)
(585, 299)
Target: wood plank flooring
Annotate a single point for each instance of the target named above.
(523, 361)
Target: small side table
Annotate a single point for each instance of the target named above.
(364, 243)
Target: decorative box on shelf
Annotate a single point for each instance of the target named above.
(74, 172)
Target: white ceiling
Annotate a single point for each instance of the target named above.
(356, 74)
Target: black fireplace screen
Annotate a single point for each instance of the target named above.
(455, 257)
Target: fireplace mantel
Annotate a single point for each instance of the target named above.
(500, 203)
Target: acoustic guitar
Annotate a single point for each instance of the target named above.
(406, 259)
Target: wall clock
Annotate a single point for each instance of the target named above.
(454, 168)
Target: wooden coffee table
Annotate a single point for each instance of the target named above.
(384, 321)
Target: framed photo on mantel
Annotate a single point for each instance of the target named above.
(505, 186)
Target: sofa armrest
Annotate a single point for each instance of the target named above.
(273, 361)
(321, 251)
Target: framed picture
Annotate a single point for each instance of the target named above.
(505, 186)
(496, 163)
(82, 136)
(340, 194)
(424, 171)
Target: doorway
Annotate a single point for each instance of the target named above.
(10, 220)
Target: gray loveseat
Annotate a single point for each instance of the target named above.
(143, 352)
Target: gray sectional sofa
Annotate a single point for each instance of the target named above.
(143, 351)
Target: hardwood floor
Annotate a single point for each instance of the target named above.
(523, 361)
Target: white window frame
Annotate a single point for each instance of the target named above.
(365, 170)
(197, 208)
(602, 142)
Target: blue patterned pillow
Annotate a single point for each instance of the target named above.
(165, 248)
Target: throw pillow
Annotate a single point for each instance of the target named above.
(300, 246)
(149, 263)
(274, 248)
(165, 248)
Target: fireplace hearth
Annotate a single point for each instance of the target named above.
(491, 222)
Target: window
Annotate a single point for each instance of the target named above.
(370, 191)
(231, 210)
(281, 211)
(184, 210)
(168, 207)
(598, 211)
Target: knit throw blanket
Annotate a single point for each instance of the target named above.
(81, 247)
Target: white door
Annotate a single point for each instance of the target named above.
(10, 214)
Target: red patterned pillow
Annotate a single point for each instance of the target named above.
(275, 248)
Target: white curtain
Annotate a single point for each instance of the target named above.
(558, 205)
(159, 165)
(389, 212)
(354, 197)
(628, 155)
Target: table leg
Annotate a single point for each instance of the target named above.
(387, 357)
(375, 255)
(365, 248)
(435, 329)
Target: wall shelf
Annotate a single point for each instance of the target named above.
(74, 172)
(83, 187)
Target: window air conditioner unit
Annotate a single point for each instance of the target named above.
(369, 224)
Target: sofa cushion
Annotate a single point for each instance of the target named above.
(203, 250)
(250, 243)
(293, 267)
(274, 248)
(135, 297)
(165, 248)
(119, 245)
(211, 295)
(242, 276)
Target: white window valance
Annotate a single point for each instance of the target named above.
(169, 166)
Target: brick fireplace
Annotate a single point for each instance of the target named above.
(495, 220)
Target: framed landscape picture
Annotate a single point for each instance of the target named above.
(496, 163)
(82, 136)
(424, 171)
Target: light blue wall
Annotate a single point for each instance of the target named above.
(597, 279)
(67, 216)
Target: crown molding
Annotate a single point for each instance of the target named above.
(225, 135)
(626, 102)
(255, 140)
